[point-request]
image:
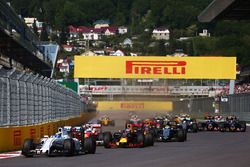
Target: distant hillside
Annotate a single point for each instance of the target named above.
(179, 16)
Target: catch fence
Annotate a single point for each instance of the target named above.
(237, 104)
(27, 99)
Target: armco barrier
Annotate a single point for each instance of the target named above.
(11, 138)
(134, 106)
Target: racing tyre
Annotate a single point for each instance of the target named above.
(180, 135)
(141, 139)
(107, 137)
(149, 139)
(89, 145)
(68, 147)
(243, 126)
(185, 135)
(222, 127)
(194, 127)
(200, 126)
(100, 136)
(28, 145)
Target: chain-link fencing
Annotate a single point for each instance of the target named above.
(27, 99)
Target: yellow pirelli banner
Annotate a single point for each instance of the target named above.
(135, 106)
(155, 67)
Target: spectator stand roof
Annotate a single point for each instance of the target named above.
(226, 10)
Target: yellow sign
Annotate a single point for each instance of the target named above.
(135, 106)
(155, 67)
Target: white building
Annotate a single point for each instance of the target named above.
(91, 35)
(127, 42)
(204, 33)
(118, 53)
(101, 23)
(122, 30)
(30, 21)
(160, 34)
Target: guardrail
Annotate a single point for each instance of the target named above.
(27, 99)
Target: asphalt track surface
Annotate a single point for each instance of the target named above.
(203, 149)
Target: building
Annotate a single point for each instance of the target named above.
(68, 48)
(118, 53)
(89, 53)
(101, 23)
(31, 20)
(161, 34)
(122, 30)
(108, 31)
(127, 43)
(204, 33)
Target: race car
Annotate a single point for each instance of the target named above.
(134, 123)
(210, 124)
(94, 130)
(67, 141)
(127, 139)
(171, 132)
(106, 121)
(233, 124)
(189, 124)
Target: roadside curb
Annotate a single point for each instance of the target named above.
(10, 154)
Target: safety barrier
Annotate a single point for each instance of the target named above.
(151, 90)
(12, 138)
(28, 99)
(237, 104)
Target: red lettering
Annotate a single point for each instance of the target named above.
(183, 70)
(166, 71)
(32, 133)
(132, 105)
(41, 132)
(155, 67)
(145, 70)
(17, 138)
(157, 70)
(136, 70)
(175, 70)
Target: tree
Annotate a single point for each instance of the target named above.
(35, 28)
(63, 35)
(44, 34)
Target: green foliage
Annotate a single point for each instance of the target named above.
(180, 16)
(44, 34)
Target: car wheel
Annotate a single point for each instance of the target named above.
(107, 137)
(68, 147)
(180, 135)
(243, 126)
(141, 139)
(194, 127)
(28, 145)
(90, 145)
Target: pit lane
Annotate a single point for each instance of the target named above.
(204, 149)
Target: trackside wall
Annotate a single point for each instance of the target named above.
(12, 138)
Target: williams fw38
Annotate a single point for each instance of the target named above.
(68, 141)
